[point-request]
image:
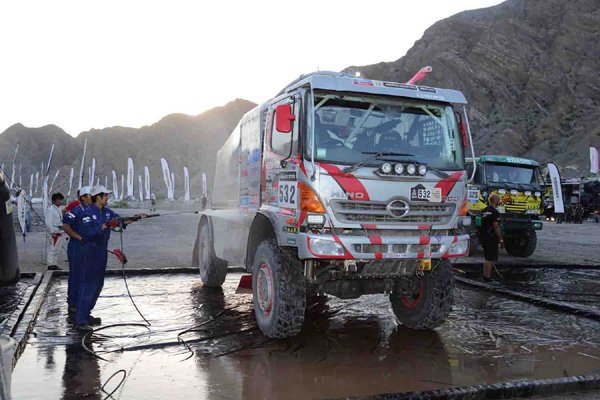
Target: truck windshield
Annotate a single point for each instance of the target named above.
(502, 173)
(348, 126)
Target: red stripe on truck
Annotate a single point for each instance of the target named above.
(375, 239)
(349, 183)
(448, 183)
(424, 240)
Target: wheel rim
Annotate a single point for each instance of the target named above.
(203, 249)
(415, 299)
(264, 288)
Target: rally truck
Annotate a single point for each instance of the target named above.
(342, 186)
(519, 183)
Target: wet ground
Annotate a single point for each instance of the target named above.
(346, 348)
(10, 298)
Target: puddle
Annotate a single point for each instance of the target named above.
(10, 298)
(346, 348)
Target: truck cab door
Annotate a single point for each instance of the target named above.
(280, 180)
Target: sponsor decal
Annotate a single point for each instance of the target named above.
(86, 219)
(397, 85)
(94, 217)
(426, 193)
(430, 96)
(473, 195)
(287, 192)
(245, 201)
(291, 241)
(427, 89)
(288, 176)
(8, 206)
(362, 82)
(290, 229)
(254, 199)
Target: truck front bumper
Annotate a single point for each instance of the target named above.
(317, 246)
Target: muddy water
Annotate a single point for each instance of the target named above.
(10, 298)
(347, 348)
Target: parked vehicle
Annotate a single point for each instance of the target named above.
(342, 186)
(518, 182)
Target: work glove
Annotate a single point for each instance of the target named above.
(121, 256)
(113, 223)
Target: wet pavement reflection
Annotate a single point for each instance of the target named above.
(346, 348)
(10, 298)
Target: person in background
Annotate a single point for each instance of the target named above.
(96, 223)
(72, 226)
(490, 235)
(55, 237)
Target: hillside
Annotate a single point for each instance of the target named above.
(529, 69)
(182, 139)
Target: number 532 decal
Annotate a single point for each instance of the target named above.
(287, 194)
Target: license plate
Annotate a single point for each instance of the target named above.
(433, 195)
(533, 211)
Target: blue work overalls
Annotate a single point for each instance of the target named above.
(74, 253)
(95, 250)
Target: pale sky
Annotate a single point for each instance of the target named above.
(92, 64)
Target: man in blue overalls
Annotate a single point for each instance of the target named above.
(96, 222)
(72, 226)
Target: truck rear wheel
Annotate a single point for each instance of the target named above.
(523, 245)
(212, 269)
(279, 290)
(431, 302)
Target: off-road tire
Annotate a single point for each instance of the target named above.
(213, 270)
(474, 243)
(286, 314)
(435, 302)
(523, 246)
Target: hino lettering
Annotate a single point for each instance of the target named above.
(362, 190)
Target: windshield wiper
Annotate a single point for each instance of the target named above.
(375, 155)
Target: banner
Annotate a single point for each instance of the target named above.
(594, 160)
(93, 172)
(31, 186)
(167, 175)
(81, 170)
(45, 196)
(49, 162)
(204, 186)
(105, 181)
(186, 183)
(21, 209)
(115, 188)
(20, 175)
(141, 186)
(12, 177)
(173, 183)
(559, 206)
(70, 182)
(122, 187)
(147, 182)
(129, 177)
(37, 181)
(54, 180)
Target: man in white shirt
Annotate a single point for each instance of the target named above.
(54, 231)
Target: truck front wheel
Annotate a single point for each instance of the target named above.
(212, 269)
(431, 301)
(279, 290)
(522, 245)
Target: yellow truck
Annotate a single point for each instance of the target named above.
(519, 183)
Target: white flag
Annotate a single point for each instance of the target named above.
(12, 178)
(204, 185)
(594, 160)
(93, 172)
(31, 186)
(105, 181)
(559, 206)
(21, 209)
(122, 187)
(147, 182)
(173, 183)
(82, 163)
(70, 182)
(141, 187)
(167, 175)
(20, 175)
(54, 180)
(186, 179)
(115, 188)
(45, 196)
(37, 181)
(129, 177)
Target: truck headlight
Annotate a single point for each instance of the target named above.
(514, 192)
(464, 221)
(325, 247)
(528, 193)
(315, 219)
(538, 194)
(459, 248)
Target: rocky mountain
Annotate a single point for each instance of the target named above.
(529, 69)
(184, 140)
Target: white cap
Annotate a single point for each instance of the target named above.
(84, 190)
(96, 190)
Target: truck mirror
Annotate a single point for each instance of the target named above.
(284, 118)
(463, 133)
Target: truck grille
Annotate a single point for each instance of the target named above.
(375, 212)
